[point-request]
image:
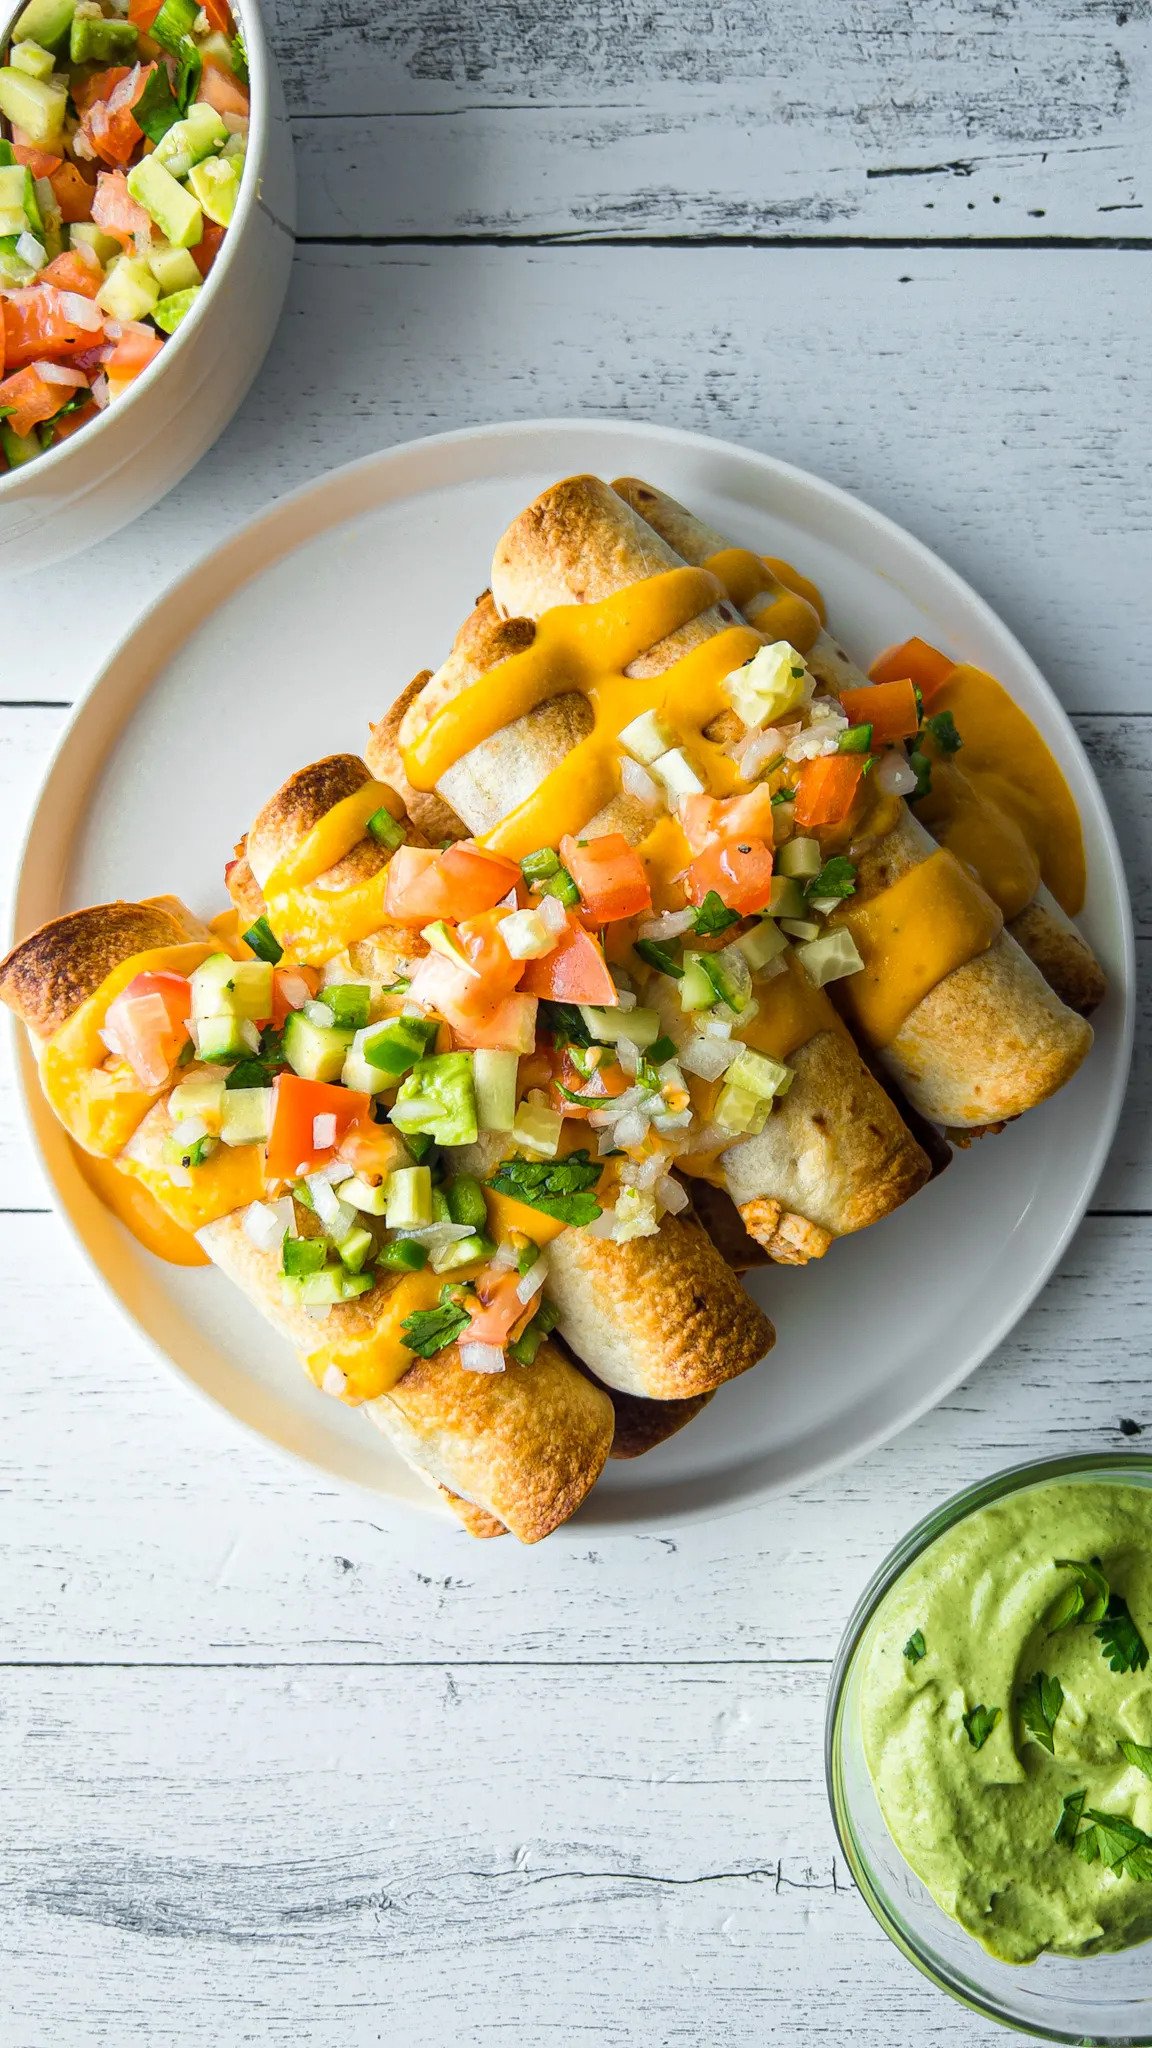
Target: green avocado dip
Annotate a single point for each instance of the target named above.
(1007, 1718)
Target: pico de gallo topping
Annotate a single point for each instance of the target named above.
(123, 131)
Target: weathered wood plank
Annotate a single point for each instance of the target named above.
(1020, 464)
(223, 1857)
(955, 118)
(219, 1551)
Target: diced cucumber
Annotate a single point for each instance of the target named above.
(642, 1027)
(395, 1044)
(350, 1003)
(465, 1198)
(800, 927)
(409, 1202)
(302, 1255)
(251, 988)
(174, 24)
(495, 1075)
(647, 737)
(187, 142)
(33, 59)
(168, 313)
(15, 181)
(44, 21)
(208, 983)
(216, 185)
(800, 858)
(225, 1038)
(326, 1288)
(786, 898)
(763, 943)
(215, 48)
(678, 774)
(464, 1251)
(37, 105)
(696, 988)
(202, 1097)
(246, 1116)
(174, 269)
(356, 1073)
(537, 1129)
(360, 1194)
(93, 39)
(730, 975)
(18, 448)
(759, 1073)
(129, 291)
(404, 1255)
(314, 1052)
(830, 957)
(104, 247)
(13, 269)
(739, 1111)
(175, 211)
(355, 1248)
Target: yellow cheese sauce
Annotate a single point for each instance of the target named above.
(776, 611)
(314, 923)
(136, 1207)
(97, 1097)
(934, 918)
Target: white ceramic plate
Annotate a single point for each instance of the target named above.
(277, 649)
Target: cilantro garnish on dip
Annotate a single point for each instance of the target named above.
(1006, 1706)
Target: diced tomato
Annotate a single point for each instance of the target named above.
(372, 1150)
(32, 399)
(609, 875)
(115, 210)
(144, 12)
(739, 871)
(461, 882)
(72, 272)
(219, 15)
(826, 788)
(916, 660)
(99, 85)
(207, 248)
(749, 816)
(889, 708)
(575, 972)
(41, 162)
(292, 987)
(73, 421)
(109, 124)
(42, 323)
(147, 1025)
(222, 89)
(137, 347)
(296, 1103)
(497, 972)
(74, 195)
(498, 1306)
(508, 1024)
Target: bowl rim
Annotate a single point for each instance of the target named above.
(1112, 1465)
(260, 78)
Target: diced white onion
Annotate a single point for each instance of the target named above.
(604, 1225)
(671, 1196)
(635, 781)
(709, 1057)
(631, 1129)
(532, 1281)
(606, 1142)
(334, 1214)
(321, 1015)
(293, 988)
(81, 312)
(672, 924)
(509, 902)
(190, 1128)
(30, 251)
(436, 1234)
(625, 1000)
(323, 1131)
(649, 1170)
(319, 1311)
(628, 1055)
(763, 746)
(482, 1358)
(505, 1255)
(60, 373)
(333, 1171)
(679, 1122)
(552, 913)
(893, 775)
(266, 1224)
(334, 1381)
(100, 391)
(714, 1027)
(630, 1100)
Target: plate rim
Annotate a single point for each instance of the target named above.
(240, 552)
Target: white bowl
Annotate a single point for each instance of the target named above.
(85, 488)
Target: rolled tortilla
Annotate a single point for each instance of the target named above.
(1042, 929)
(523, 1446)
(61, 981)
(579, 542)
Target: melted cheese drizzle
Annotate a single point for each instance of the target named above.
(137, 1209)
(314, 923)
(934, 918)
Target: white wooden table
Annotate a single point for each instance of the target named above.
(277, 1767)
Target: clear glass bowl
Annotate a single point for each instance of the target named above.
(1086, 2000)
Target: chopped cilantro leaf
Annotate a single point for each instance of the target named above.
(655, 955)
(1071, 1808)
(1082, 1602)
(661, 1049)
(1039, 1705)
(942, 727)
(1122, 1643)
(156, 109)
(558, 1187)
(837, 877)
(712, 915)
(564, 1024)
(239, 50)
(1138, 1754)
(915, 1647)
(979, 1723)
(428, 1330)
